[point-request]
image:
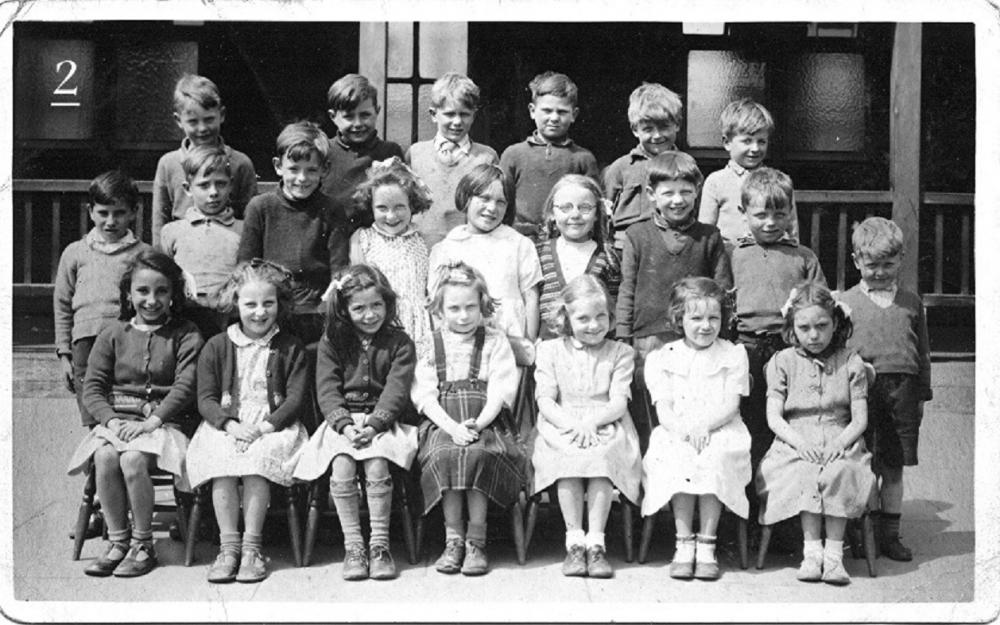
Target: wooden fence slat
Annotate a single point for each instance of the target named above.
(938, 252)
(28, 210)
(966, 253)
(140, 214)
(84, 217)
(841, 248)
(814, 229)
(54, 247)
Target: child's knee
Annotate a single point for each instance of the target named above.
(134, 464)
(376, 469)
(343, 468)
(106, 459)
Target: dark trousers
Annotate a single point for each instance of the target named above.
(80, 351)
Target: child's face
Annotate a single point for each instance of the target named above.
(453, 120)
(367, 310)
(299, 179)
(574, 209)
(356, 125)
(258, 306)
(553, 116)
(767, 225)
(589, 319)
(702, 322)
(150, 294)
(209, 192)
(485, 211)
(112, 221)
(813, 328)
(878, 273)
(460, 308)
(656, 136)
(391, 209)
(747, 151)
(674, 200)
(201, 125)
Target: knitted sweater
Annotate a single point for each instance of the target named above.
(376, 380)
(289, 387)
(603, 265)
(348, 164)
(171, 202)
(625, 183)
(764, 276)
(157, 366)
(893, 339)
(534, 166)
(654, 257)
(309, 237)
(722, 195)
(204, 246)
(85, 297)
(442, 179)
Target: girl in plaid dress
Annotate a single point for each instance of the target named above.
(468, 442)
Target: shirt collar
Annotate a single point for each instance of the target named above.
(95, 242)
(640, 153)
(739, 171)
(186, 144)
(663, 224)
(410, 230)
(463, 145)
(867, 289)
(747, 240)
(537, 139)
(242, 340)
(227, 217)
(354, 147)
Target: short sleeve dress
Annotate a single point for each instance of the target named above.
(817, 395)
(697, 380)
(582, 379)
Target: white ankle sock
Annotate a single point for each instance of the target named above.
(812, 547)
(834, 549)
(574, 537)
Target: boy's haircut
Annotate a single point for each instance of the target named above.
(876, 238)
(458, 273)
(114, 186)
(154, 259)
(211, 158)
(584, 286)
(197, 89)
(349, 91)
(554, 84)
(354, 279)
(456, 88)
(476, 182)
(768, 185)
(259, 270)
(696, 288)
(393, 171)
(653, 102)
(807, 294)
(587, 183)
(300, 139)
(671, 166)
(745, 117)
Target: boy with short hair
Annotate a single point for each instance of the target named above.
(537, 163)
(746, 129)
(199, 112)
(767, 263)
(354, 110)
(442, 161)
(655, 114)
(890, 332)
(205, 241)
(85, 297)
(297, 226)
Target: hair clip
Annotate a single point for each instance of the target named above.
(787, 306)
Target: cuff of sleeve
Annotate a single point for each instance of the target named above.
(380, 419)
(265, 427)
(339, 419)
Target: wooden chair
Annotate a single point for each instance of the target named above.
(516, 514)
(627, 510)
(203, 496)
(402, 502)
(741, 538)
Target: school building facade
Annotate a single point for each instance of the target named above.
(872, 118)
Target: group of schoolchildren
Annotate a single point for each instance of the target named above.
(416, 300)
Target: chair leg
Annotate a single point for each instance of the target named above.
(312, 521)
(517, 524)
(84, 512)
(192, 526)
(182, 507)
(647, 537)
(741, 537)
(765, 539)
(532, 517)
(402, 496)
(418, 539)
(627, 522)
(868, 529)
(294, 525)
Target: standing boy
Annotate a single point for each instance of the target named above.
(199, 112)
(354, 110)
(890, 332)
(535, 164)
(442, 161)
(655, 115)
(205, 241)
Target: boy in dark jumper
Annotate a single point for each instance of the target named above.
(890, 332)
(535, 164)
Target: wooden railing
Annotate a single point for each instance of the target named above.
(49, 214)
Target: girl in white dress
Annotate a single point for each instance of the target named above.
(393, 194)
(699, 454)
(253, 389)
(586, 442)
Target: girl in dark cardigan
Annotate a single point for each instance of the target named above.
(253, 392)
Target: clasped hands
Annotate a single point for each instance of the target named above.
(126, 430)
(819, 454)
(582, 433)
(465, 433)
(359, 437)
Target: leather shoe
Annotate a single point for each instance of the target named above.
(575, 564)
(108, 561)
(380, 563)
(141, 559)
(223, 570)
(597, 562)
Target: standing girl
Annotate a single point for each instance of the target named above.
(586, 442)
(140, 387)
(253, 388)
(577, 243)
(467, 441)
(699, 454)
(392, 195)
(817, 466)
(364, 372)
